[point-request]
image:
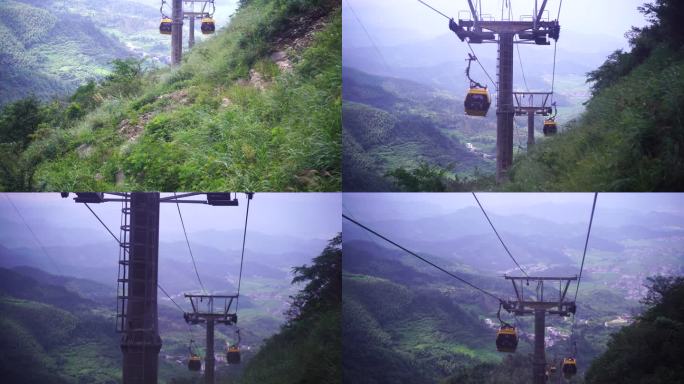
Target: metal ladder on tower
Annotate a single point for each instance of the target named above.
(124, 261)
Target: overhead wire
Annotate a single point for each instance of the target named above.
(579, 278)
(482, 66)
(103, 224)
(189, 248)
(382, 57)
(494, 84)
(180, 309)
(421, 258)
(517, 48)
(119, 242)
(35, 238)
(555, 49)
(170, 298)
(242, 256)
(586, 243)
(499, 236)
(522, 71)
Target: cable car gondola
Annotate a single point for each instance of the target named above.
(506, 338)
(208, 26)
(165, 26)
(477, 101)
(569, 367)
(233, 355)
(233, 352)
(550, 127)
(195, 363)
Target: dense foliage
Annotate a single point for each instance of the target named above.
(233, 116)
(650, 349)
(308, 348)
(631, 135)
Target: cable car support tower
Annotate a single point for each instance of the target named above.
(205, 310)
(178, 14)
(502, 32)
(525, 104)
(542, 305)
(137, 317)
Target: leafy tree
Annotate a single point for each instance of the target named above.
(19, 120)
(308, 348)
(665, 17)
(424, 178)
(323, 290)
(650, 349)
(87, 96)
(126, 77)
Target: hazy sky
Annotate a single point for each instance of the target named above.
(303, 215)
(604, 17)
(510, 203)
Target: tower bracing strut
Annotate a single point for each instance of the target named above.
(539, 306)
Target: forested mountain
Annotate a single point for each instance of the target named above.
(392, 123)
(54, 333)
(404, 320)
(257, 107)
(60, 329)
(46, 54)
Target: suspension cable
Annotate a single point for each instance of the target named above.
(102, 222)
(431, 7)
(497, 235)
(522, 69)
(467, 42)
(189, 249)
(517, 48)
(170, 298)
(422, 258)
(555, 48)
(40, 244)
(368, 35)
(242, 257)
(586, 243)
(483, 68)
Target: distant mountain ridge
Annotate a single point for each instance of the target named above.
(46, 54)
(392, 123)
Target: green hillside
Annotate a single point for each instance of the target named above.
(51, 335)
(255, 108)
(632, 134)
(393, 124)
(404, 321)
(308, 347)
(393, 333)
(44, 54)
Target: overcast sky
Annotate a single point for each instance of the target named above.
(604, 17)
(303, 215)
(426, 204)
